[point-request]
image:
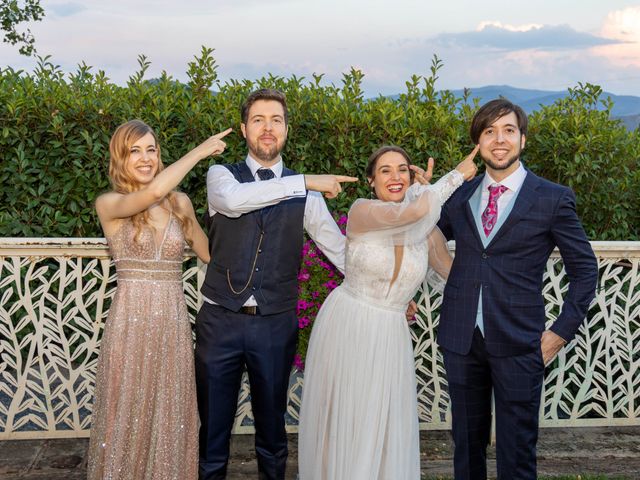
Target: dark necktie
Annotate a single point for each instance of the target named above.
(266, 174)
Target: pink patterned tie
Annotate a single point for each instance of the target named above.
(490, 214)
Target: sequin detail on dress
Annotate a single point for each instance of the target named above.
(145, 418)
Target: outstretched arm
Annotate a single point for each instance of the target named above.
(444, 223)
(228, 196)
(330, 185)
(114, 205)
(372, 215)
(420, 200)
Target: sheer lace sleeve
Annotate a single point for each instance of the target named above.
(444, 187)
(440, 260)
(405, 222)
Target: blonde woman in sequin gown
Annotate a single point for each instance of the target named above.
(145, 418)
(359, 418)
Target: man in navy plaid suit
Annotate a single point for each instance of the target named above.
(492, 324)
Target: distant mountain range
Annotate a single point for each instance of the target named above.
(625, 107)
(632, 122)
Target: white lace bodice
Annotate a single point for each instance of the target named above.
(379, 233)
(370, 268)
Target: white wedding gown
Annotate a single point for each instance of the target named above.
(359, 419)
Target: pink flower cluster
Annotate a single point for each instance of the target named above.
(298, 362)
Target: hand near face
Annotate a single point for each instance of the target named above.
(330, 185)
(422, 176)
(214, 145)
(467, 167)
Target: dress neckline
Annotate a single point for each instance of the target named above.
(158, 248)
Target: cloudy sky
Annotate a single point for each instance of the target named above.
(541, 44)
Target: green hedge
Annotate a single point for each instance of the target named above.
(55, 131)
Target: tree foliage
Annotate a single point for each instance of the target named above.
(12, 14)
(55, 130)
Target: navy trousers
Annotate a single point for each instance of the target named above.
(226, 343)
(517, 385)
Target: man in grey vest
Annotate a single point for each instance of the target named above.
(258, 210)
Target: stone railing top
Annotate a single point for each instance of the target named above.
(96, 247)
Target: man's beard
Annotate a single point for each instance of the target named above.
(503, 166)
(266, 154)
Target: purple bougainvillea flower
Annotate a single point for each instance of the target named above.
(316, 279)
(298, 363)
(325, 265)
(303, 276)
(331, 284)
(303, 322)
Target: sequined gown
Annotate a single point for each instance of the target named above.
(145, 418)
(359, 416)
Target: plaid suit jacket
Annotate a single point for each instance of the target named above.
(510, 269)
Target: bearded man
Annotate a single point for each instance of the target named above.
(258, 209)
(492, 330)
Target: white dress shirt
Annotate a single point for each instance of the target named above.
(513, 183)
(232, 198)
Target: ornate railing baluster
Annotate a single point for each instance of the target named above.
(55, 295)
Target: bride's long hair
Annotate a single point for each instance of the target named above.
(119, 149)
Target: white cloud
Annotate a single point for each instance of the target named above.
(255, 37)
(508, 27)
(509, 37)
(623, 25)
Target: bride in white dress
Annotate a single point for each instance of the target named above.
(359, 419)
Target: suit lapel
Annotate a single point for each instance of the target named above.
(470, 200)
(521, 206)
